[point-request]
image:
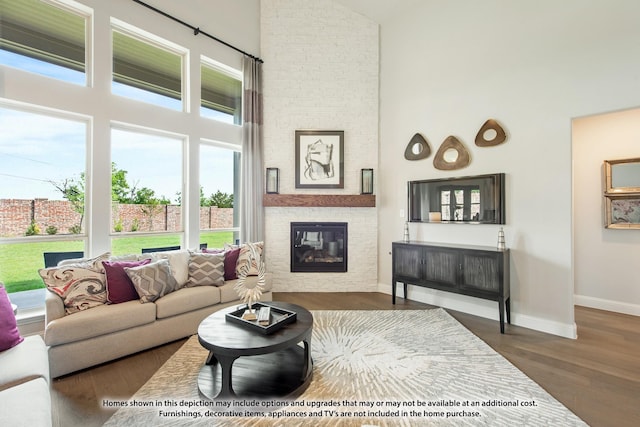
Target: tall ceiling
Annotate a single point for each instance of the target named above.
(378, 10)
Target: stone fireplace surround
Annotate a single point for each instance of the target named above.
(362, 249)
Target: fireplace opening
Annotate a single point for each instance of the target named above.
(319, 247)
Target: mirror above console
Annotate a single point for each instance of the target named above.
(471, 200)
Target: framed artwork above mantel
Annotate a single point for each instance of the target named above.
(319, 160)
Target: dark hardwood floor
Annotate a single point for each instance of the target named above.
(597, 376)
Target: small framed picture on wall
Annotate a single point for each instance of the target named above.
(319, 159)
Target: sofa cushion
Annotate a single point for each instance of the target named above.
(206, 269)
(27, 404)
(179, 262)
(153, 280)
(101, 320)
(81, 285)
(9, 334)
(227, 292)
(119, 286)
(24, 362)
(187, 299)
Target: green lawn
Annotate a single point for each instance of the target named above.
(19, 263)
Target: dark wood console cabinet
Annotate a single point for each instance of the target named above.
(477, 271)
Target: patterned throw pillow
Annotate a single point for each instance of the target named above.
(206, 269)
(231, 254)
(153, 280)
(81, 285)
(119, 287)
(246, 260)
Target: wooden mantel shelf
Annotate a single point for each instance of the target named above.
(320, 200)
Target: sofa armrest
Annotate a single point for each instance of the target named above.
(24, 362)
(53, 308)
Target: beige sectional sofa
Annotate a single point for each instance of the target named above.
(24, 384)
(108, 331)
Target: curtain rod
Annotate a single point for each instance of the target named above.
(197, 30)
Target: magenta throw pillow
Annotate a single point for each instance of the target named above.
(230, 261)
(9, 333)
(119, 286)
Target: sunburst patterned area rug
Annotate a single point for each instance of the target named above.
(371, 368)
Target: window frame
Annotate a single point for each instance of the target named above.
(229, 72)
(84, 12)
(184, 141)
(91, 103)
(143, 36)
(237, 177)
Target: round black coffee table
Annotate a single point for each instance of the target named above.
(244, 362)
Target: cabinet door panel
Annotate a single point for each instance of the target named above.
(481, 272)
(441, 266)
(408, 262)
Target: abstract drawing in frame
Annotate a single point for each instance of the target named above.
(319, 159)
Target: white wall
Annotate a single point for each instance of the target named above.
(604, 259)
(320, 72)
(446, 67)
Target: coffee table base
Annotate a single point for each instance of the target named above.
(279, 375)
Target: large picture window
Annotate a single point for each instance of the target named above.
(43, 38)
(58, 142)
(42, 197)
(146, 195)
(219, 184)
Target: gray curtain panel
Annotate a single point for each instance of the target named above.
(251, 209)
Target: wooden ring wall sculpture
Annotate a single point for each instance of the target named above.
(499, 138)
(461, 160)
(452, 154)
(417, 149)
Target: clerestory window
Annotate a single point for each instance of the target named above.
(221, 93)
(45, 38)
(146, 68)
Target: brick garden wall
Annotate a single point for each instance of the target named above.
(16, 216)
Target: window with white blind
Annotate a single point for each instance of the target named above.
(221, 93)
(147, 69)
(45, 37)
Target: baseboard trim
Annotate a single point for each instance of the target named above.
(484, 308)
(608, 305)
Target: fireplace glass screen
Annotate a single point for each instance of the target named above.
(319, 247)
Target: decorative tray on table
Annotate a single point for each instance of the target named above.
(278, 317)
